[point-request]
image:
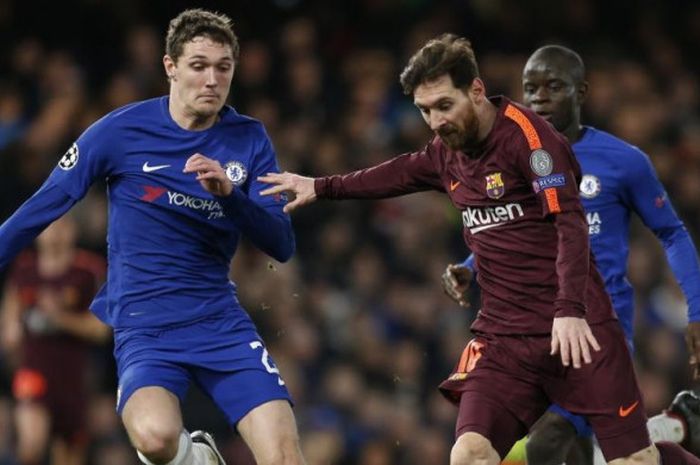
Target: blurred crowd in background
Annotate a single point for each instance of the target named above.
(357, 321)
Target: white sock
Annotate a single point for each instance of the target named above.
(665, 427)
(184, 456)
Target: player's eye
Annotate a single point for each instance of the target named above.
(445, 106)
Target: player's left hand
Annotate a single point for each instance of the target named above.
(692, 340)
(210, 174)
(572, 338)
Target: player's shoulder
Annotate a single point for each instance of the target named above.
(230, 117)
(609, 145)
(135, 113)
(135, 110)
(521, 123)
(246, 130)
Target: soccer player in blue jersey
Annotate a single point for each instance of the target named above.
(181, 174)
(618, 179)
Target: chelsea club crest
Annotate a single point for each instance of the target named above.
(590, 186)
(236, 172)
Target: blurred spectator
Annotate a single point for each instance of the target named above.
(45, 327)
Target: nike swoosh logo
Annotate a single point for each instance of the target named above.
(149, 169)
(623, 412)
(454, 185)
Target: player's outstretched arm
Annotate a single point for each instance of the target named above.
(301, 186)
(572, 339)
(47, 204)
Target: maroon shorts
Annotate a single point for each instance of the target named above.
(503, 384)
(63, 395)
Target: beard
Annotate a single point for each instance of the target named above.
(460, 139)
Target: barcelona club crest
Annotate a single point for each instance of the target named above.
(494, 186)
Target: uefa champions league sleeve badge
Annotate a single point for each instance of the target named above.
(236, 172)
(541, 162)
(70, 158)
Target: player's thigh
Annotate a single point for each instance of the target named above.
(606, 393)
(498, 398)
(33, 423)
(271, 433)
(251, 379)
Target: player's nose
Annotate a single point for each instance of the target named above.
(540, 95)
(436, 121)
(211, 77)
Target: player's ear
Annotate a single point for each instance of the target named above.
(477, 90)
(169, 66)
(582, 92)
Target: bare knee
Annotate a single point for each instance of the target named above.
(152, 420)
(473, 449)
(550, 440)
(287, 452)
(647, 456)
(157, 440)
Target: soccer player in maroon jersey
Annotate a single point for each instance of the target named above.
(554, 86)
(47, 324)
(546, 331)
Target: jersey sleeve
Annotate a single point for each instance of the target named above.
(404, 174)
(41, 209)
(470, 262)
(546, 161)
(647, 196)
(89, 158)
(260, 218)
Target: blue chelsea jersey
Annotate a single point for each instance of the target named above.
(170, 242)
(619, 179)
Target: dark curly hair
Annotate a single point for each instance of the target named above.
(446, 54)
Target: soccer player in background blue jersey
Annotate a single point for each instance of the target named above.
(181, 174)
(618, 179)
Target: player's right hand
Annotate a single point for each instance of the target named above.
(455, 282)
(572, 338)
(301, 186)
